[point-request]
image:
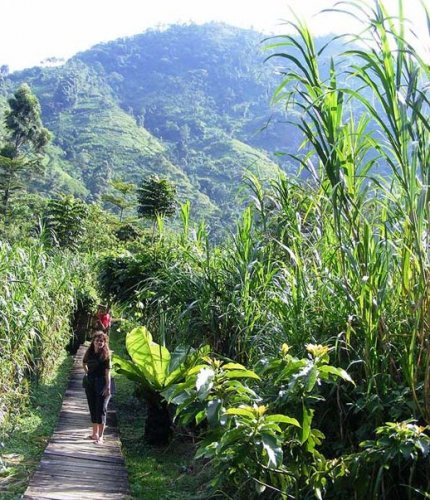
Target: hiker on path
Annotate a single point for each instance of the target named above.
(104, 319)
(97, 382)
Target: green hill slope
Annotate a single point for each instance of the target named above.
(185, 103)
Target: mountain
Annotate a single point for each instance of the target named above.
(191, 103)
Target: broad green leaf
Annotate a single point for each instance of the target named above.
(200, 416)
(179, 399)
(181, 359)
(233, 366)
(195, 369)
(207, 450)
(152, 359)
(230, 437)
(294, 366)
(241, 412)
(131, 371)
(242, 374)
(312, 379)
(178, 357)
(273, 450)
(271, 427)
(175, 390)
(306, 424)
(125, 367)
(283, 418)
(339, 372)
(213, 411)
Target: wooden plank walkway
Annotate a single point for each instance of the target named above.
(73, 467)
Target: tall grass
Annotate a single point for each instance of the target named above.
(37, 299)
(340, 259)
(379, 228)
(343, 259)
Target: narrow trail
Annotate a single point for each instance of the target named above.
(73, 467)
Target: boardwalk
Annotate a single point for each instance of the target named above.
(73, 467)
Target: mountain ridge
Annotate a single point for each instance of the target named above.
(186, 103)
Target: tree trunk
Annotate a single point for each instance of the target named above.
(5, 200)
(158, 426)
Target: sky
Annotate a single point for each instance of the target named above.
(34, 30)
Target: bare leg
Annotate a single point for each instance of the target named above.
(95, 434)
(100, 429)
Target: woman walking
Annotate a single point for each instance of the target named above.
(97, 382)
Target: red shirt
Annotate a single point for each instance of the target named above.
(104, 319)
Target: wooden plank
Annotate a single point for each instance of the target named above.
(90, 464)
(87, 449)
(83, 471)
(88, 456)
(64, 494)
(50, 482)
(73, 467)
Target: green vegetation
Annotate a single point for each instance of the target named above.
(154, 369)
(167, 472)
(337, 265)
(315, 382)
(150, 105)
(156, 198)
(121, 197)
(24, 440)
(25, 134)
(37, 294)
(65, 219)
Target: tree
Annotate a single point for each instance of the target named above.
(121, 198)
(25, 140)
(65, 219)
(99, 180)
(156, 198)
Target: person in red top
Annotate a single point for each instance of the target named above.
(104, 318)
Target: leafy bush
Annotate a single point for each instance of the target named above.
(65, 218)
(393, 465)
(122, 276)
(154, 369)
(128, 232)
(248, 444)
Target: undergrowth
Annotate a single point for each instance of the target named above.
(155, 473)
(24, 438)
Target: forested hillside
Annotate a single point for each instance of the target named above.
(191, 103)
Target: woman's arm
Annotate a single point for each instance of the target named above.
(106, 390)
(85, 363)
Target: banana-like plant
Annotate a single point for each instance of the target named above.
(154, 368)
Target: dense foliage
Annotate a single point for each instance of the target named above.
(315, 381)
(156, 198)
(336, 265)
(25, 134)
(38, 296)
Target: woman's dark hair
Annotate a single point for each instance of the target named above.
(104, 352)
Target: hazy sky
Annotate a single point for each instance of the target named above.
(33, 30)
